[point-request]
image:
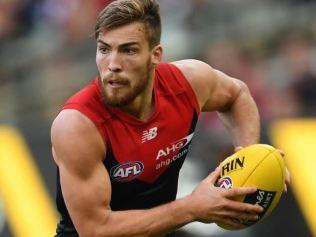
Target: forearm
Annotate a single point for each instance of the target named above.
(156, 221)
(242, 119)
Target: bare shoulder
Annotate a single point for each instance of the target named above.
(70, 122)
(214, 89)
(74, 138)
(201, 76)
(195, 70)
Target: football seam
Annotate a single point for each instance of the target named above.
(256, 167)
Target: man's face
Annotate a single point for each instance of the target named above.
(125, 63)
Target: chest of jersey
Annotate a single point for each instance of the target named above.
(145, 150)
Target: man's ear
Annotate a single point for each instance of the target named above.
(156, 54)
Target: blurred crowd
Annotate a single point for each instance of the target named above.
(47, 53)
(48, 42)
(47, 50)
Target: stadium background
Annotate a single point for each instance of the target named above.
(46, 55)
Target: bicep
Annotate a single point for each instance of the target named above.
(222, 93)
(86, 188)
(87, 196)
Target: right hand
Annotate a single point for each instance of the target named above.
(210, 204)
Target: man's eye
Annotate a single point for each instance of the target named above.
(103, 50)
(130, 50)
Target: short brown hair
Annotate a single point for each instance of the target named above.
(123, 12)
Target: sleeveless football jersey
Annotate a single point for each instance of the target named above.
(143, 159)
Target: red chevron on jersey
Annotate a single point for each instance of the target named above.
(156, 143)
(143, 159)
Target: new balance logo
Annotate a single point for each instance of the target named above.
(149, 134)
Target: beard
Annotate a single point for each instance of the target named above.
(117, 98)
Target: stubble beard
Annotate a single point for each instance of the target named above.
(117, 100)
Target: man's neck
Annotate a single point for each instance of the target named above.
(144, 104)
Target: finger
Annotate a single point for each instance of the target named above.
(285, 188)
(231, 222)
(242, 215)
(238, 191)
(244, 207)
(281, 152)
(214, 176)
(287, 176)
(287, 180)
(238, 148)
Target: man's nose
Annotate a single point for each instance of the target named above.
(114, 63)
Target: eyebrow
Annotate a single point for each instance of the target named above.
(121, 45)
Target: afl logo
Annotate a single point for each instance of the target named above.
(226, 183)
(127, 171)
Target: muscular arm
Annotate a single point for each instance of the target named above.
(78, 150)
(228, 96)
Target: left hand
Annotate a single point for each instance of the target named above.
(287, 172)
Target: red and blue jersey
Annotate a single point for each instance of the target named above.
(143, 159)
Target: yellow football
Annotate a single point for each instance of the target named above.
(260, 166)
